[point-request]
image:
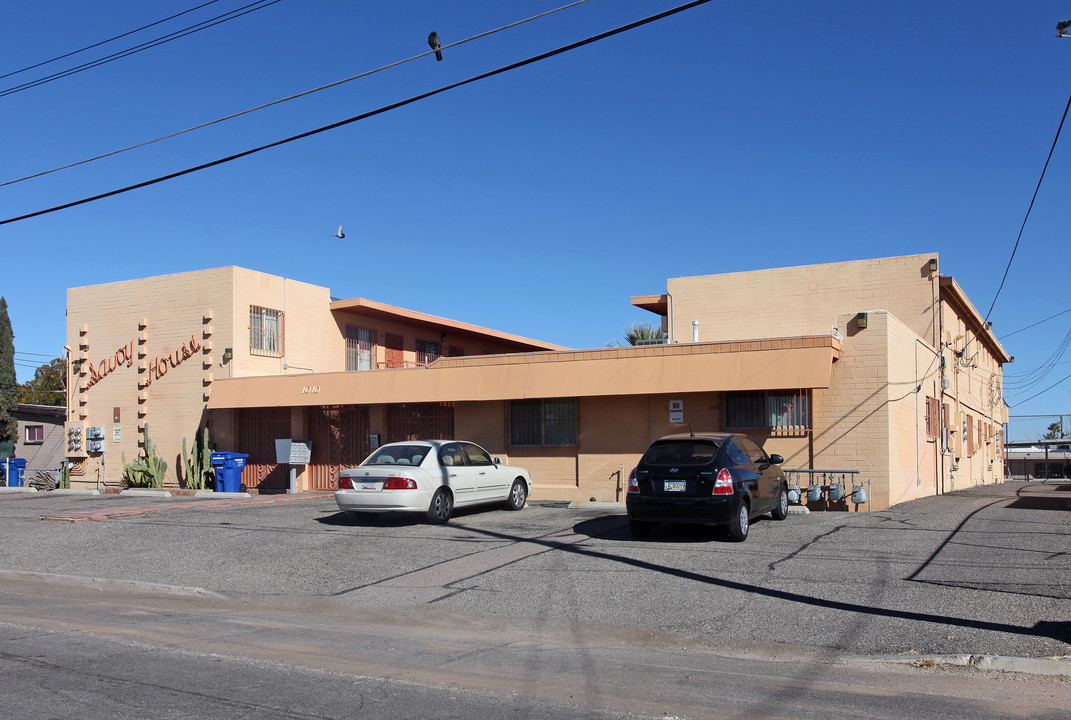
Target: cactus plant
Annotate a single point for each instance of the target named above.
(148, 470)
(198, 466)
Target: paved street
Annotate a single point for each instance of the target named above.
(981, 572)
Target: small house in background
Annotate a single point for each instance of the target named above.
(40, 437)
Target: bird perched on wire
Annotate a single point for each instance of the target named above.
(339, 234)
(433, 40)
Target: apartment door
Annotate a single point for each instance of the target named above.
(395, 356)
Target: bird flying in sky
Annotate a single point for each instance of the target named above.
(339, 234)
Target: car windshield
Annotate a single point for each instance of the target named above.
(681, 453)
(398, 455)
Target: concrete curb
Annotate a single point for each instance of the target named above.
(13, 490)
(75, 491)
(110, 584)
(1031, 666)
(144, 493)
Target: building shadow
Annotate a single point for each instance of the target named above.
(608, 527)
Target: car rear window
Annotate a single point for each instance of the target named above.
(398, 455)
(680, 453)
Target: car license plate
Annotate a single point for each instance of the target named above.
(370, 485)
(675, 485)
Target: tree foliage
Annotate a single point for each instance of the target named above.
(47, 386)
(1056, 431)
(641, 334)
(9, 426)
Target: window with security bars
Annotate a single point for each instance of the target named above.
(420, 421)
(543, 423)
(427, 352)
(265, 331)
(360, 349)
(779, 411)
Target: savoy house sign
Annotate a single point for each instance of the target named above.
(124, 356)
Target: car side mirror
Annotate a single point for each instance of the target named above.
(496, 461)
(777, 459)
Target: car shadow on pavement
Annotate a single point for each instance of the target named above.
(347, 518)
(665, 534)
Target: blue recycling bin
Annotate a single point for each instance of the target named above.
(13, 470)
(228, 467)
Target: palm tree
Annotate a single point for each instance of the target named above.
(641, 334)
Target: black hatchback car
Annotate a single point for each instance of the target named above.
(707, 479)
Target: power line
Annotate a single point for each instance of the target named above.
(35, 392)
(204, 25)
(1050, 387)
(372, 113)
(105, 42)
(1031, 207)
(1051, 317)
(293, 97)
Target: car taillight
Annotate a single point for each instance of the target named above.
(723, 485)
(633, 483)
(399, 483)
(344, 483)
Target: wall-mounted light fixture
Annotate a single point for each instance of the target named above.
(228, 354)
(933, 264)
(860, 321)
(442, 337)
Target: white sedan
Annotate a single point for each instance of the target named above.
(432, 477)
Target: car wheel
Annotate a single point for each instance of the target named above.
(740, 523)
(639, 529)
(442, 506)
(780, 511)
(517, 495)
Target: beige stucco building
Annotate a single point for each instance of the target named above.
(879, 366)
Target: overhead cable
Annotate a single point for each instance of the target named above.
(1031, 207)
(105, 42)
(1051, 317)
(212, 22)
(1050, 387)
(372, 113)
(292, 97)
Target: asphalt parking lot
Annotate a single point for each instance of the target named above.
(982, 571)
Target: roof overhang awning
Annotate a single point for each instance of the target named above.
(361, 307)
(954, 294)
(658, 304)
(773, 364)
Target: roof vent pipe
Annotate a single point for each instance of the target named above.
(695, 331)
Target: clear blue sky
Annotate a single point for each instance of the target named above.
(734, 136)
